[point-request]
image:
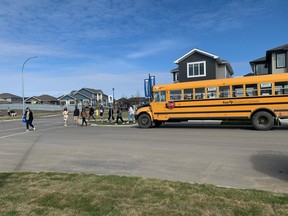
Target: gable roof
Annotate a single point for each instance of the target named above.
(67, 95)
(47, 98)
(43, 98)
(36, 98)
(93, 91)
(217, 58)
(8, 95)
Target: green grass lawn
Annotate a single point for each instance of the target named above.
(87, 194)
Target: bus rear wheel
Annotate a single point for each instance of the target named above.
(144, 121)
(262, 121)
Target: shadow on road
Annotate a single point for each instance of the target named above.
(271, 164)
(212, 126)
(203, 125)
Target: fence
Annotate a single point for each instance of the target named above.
(44, 107)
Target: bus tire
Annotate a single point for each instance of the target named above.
(262, 120)
(144, 121)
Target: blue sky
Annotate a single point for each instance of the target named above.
(105, 44)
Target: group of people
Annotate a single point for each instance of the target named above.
(85, 114)
(89, 113)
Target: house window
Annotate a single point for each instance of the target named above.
(196, 69)
(281, 60)
(176, 77)
(261, 69)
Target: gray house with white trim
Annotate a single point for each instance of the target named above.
(200, 65)
(84, 96)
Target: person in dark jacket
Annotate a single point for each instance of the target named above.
(91, 113)
(76, 115)
(29, 119)
(110, 113)
(119, 115)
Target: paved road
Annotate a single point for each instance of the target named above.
(223, 155)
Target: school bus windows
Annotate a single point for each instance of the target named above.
(211, 92)
(224, 91)
(265, 89)
(175, 95)
(188, 94)
(251, 90)
(199, 93)
(281, 88)
(160, 96)
(237, 91)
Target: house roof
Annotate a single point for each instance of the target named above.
(43, 98)
(47, 98)
(280, 48)
(67, 95)
(263, 59)
(91, 90)
(217, 58)
(8, 95)
(199, 51)
(175, 70)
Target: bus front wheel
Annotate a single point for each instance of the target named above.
(144, 121)
(263, 121)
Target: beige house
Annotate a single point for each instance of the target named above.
(275, 62)
(10, 98)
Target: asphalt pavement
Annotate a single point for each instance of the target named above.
(197, 152)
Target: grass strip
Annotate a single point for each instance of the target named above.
(88, 194)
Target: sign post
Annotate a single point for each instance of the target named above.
(148, 84)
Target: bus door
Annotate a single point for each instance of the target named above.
(159, 106)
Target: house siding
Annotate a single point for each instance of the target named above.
(196, 57)
(220, 71)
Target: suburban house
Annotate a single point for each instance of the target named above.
(275, 61)
(10, 98)
(200, 65)
(124, 103)
(42, 99)
(87, 96)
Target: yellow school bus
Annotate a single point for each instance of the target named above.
(261, 99)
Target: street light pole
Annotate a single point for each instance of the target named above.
(113, 99)
(23, 102)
